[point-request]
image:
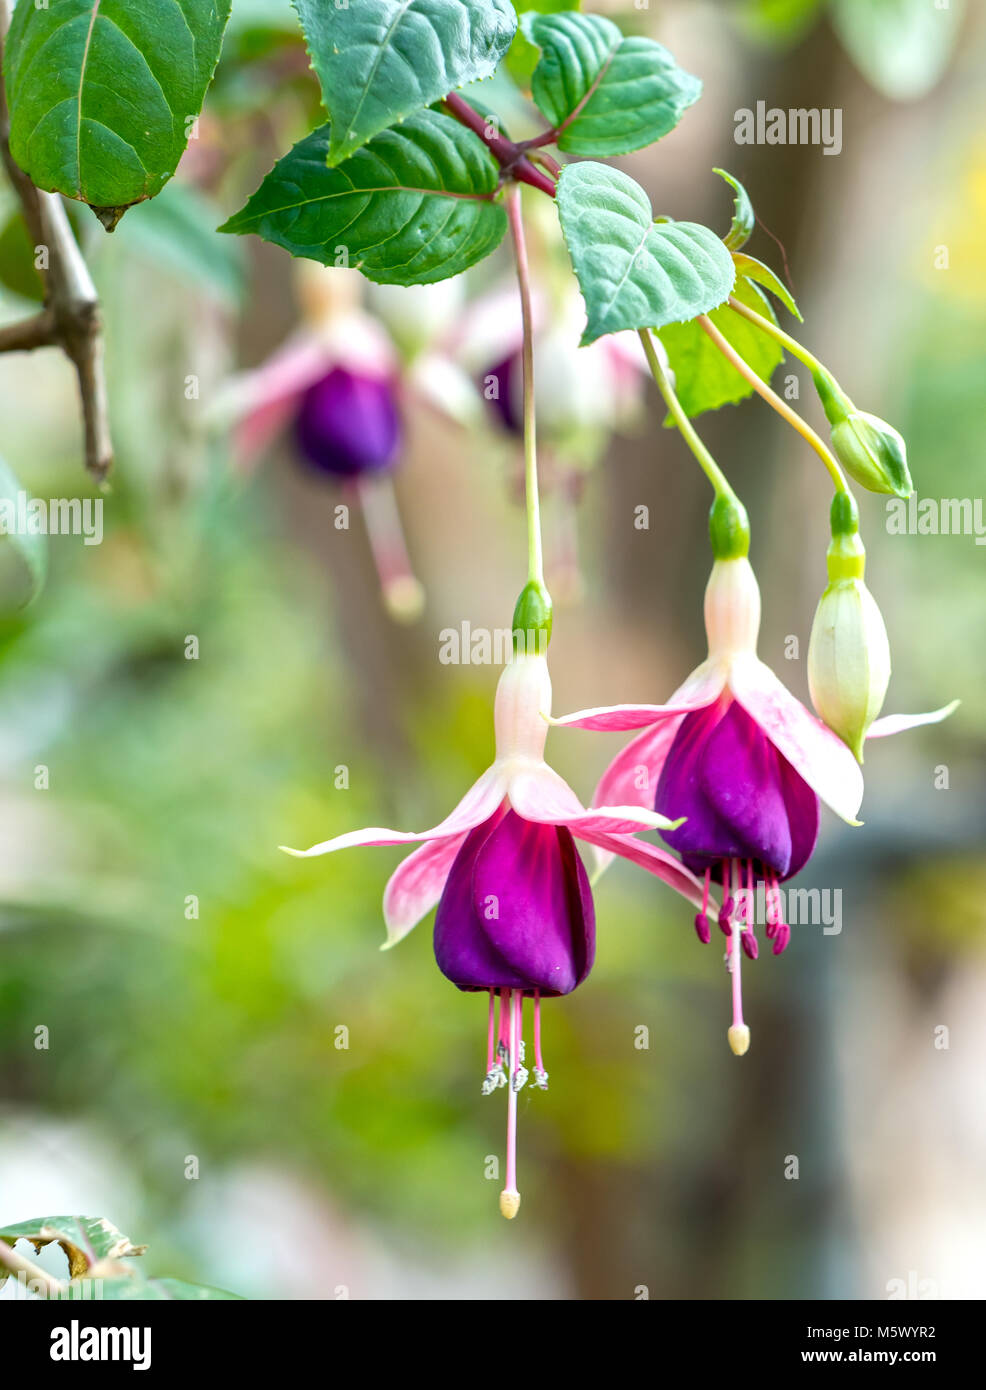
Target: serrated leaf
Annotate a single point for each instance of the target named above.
(606, 94)
(103, 93)
(380, 60)
(23, 552)
(85, 1239)
(704, 379)
(744, 219)
(753, 269)
(413, 206)
(632, 272)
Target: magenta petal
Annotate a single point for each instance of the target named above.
(517, 910)
(740, 797)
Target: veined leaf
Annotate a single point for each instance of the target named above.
(744, 219)
(85, 1240)
(704, 379)
(380, 60)
(633, 272)
(606, 94)
(413, 206)
(756, 270)
(103, 94)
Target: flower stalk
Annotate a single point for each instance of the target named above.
(774, 401)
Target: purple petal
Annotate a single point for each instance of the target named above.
(348, 424)
(517, 910)
(742, 799)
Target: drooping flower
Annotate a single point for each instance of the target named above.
(515, 912)
(338, 388)
(849, 651)
(746, 765)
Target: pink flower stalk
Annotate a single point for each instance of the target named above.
(744, 763)
(515, 912)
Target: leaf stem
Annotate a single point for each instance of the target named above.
(535, 559)
(510, 157)
(706, 462)
(774, 401)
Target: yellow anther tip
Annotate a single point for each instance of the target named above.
(739, 1038)
(509, 1204)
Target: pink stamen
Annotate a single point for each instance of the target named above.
(736, 956)
(402, 594)
(504, 1033)
(491, 1037)
(510, 1197)
(537, 1031)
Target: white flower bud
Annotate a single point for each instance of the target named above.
(848, 660)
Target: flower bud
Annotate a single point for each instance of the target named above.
(871, 451)
(848, 654)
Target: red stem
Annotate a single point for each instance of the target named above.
(510, 157)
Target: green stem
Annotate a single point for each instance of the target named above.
(706, 462)
(774, 401)
(535, 559)
(795, 348)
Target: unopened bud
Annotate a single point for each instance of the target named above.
(849, 653)
(872, 452)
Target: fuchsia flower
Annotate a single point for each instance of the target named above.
(744, 763)
(515, 912)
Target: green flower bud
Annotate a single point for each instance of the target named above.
(848, 654)
(871, 451)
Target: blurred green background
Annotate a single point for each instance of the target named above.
(325, 1170)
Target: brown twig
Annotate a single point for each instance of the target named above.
(70, 319)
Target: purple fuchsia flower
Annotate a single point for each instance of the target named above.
(335, 388)
(745, 764)
(515, 915)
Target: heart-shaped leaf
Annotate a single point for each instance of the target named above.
(103, 94)
(413, 206)
(633, 272)
(704, 379)
(606, 94)
(380, 60)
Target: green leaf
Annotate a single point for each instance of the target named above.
(901, 46)
(380, 60)
(178, 231)
(606, 94)
(103, 93)
(85, 1240)
(753, 269)
(23, 553)
(413, 206)
(704, 379)
(17, 268)
(632, 272)
(744, 219)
